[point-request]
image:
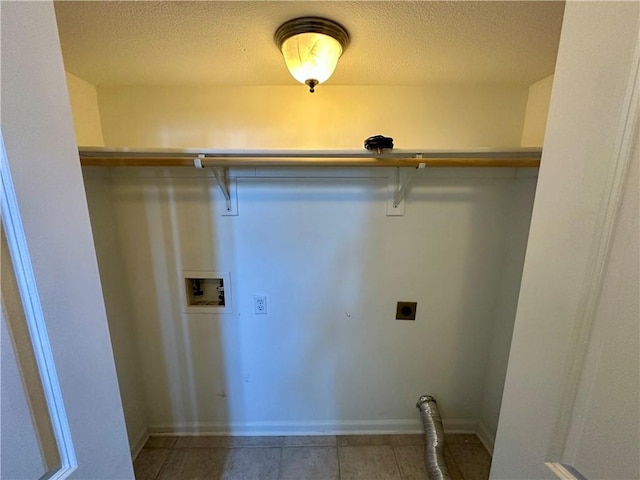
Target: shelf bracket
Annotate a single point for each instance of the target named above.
(222, 177)
(402, 191)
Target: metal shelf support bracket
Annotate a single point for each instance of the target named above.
(222, 177)
(402, 191)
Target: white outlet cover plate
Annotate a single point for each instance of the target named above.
(257, 300)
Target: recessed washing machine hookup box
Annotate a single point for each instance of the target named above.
(207, 292)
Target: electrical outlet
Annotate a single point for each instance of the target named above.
(406, 311)
(260, 304)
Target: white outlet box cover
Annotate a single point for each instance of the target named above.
(260, 306)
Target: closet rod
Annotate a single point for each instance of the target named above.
(107, 157)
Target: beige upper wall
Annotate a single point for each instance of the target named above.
(334, 117)
(86, 114)
(535, 120)
(288, 117)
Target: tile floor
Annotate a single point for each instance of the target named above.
(342, 457)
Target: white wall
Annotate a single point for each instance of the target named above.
(535, 120)
(578, 164)
(329, 356)
(118, 305)
(84, 108)
(506, 302)
(333, 117)
(88, 128)
(38, 133)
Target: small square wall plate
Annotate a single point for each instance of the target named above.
(406, 310)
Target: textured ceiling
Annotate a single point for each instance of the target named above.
(231, 43)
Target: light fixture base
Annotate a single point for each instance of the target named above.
(312, 25)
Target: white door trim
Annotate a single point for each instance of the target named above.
(564, 472)
(17, 244)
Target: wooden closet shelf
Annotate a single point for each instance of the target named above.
(105, 157)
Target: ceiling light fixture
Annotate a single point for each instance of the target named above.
(311, 47)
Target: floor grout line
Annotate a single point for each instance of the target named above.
(163, 463)
(280, 463)
(395, 458)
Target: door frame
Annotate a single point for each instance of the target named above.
(36, 324)
(585, 318)
(588, 145)
(46, 178)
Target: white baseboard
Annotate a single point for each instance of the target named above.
(486, 437)
(459, 425)
(354, 427)
(138, 442)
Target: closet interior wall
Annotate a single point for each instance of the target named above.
(328, 355)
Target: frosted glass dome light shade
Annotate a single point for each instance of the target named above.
(311, 56)
(311, 47)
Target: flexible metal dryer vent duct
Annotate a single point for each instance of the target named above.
(436, 464)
